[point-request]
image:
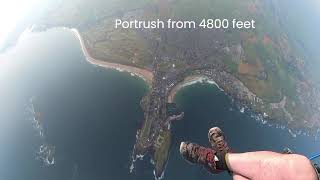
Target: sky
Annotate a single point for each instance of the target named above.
(11, 11)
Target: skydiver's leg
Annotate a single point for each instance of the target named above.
(239, 177)
(265, 165)
(218, 142)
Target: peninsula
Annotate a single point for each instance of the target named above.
(259, 68)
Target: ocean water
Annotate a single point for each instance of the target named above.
(90, 116)
(205, 106)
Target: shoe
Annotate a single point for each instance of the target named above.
(197, 154)
(287, 151)
(217, 140)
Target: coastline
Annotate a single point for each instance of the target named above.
(146, 75)
(189, 83)
(189, 80)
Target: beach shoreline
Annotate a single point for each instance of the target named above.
(146, 75)
(189, 80)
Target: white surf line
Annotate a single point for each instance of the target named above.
(201, 79)
(190, 81)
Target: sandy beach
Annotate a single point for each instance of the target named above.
(142, 73)
(187, 82)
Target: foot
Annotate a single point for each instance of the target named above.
(196, 154)
(287, 151)
(217, 140)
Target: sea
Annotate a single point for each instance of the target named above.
(62, 118)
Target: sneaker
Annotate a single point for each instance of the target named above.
(197, 154)
(287, 151)
(217, 140)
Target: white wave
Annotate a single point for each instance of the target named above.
(214, 83)
(132, 167)
(46, 154)
(263, 120)
(292, 134)
(265, 115)
(139, 156)
(158, 178)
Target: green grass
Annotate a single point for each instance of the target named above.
(231, 65)
(147, 122)
(162, 152)
(124, 45)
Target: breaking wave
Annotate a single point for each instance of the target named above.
(45, 153)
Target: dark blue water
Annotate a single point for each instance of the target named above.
(91, 116)
(206, 106)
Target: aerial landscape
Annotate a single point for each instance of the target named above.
(259, 68)
(264, 70)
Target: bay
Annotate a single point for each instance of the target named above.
(90, 115)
